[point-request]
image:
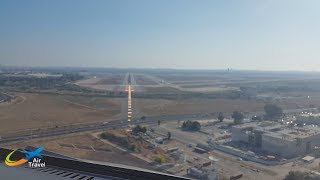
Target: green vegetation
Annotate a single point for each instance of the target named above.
(139, 129)
(169, 135)
(191, 126)
(160, 159)
(30, 82)
(273, 111)
(124, 142)
(103, 135)
(221, 117)
(237, 117)
(121, 141)
(134, 148)
(51, 85)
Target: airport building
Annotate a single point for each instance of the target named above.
(277, 139)
(309, 118)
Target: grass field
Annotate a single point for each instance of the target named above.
(41, 111)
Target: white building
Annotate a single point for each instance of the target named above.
(277, 139)
(309, 119)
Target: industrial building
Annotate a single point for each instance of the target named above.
(277, 139)
(308, 118)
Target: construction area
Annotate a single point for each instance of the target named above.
(277, 139)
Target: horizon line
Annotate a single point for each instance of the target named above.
(151, 68)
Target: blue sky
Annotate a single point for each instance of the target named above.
(185, 34)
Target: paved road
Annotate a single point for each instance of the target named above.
(97, 126)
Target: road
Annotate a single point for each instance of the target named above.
(118, 123)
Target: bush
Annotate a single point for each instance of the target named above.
(122, 141)
(191, 125)
(133, 148)
(103, 136)
(296, 175)
(160, 159)
(137, 129)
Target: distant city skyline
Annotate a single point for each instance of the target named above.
(176, 34)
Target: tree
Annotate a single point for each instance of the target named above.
(273, 111)
(237, 117)
(191, 126)
(169, 135)
(296, 175)
(133, 147)
(103, 136)
(221, 117)
(139, 128)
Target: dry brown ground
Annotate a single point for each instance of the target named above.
(301, 102)
(162, 89)
(143, 150)
(195, 78)
(112, 156)
(105, 80)
(108, 83)
(151, 107)
(111, 80)
(40, 110)
(143, 80)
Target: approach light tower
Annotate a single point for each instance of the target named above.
(129, 89)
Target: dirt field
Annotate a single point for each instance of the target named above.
(161, 89)
(42, 111)
(105, 80)
(144, 80)
(103, 153)
(108, 83)
(185, 78)
(112, 80)
(151, 107)
(124, 138)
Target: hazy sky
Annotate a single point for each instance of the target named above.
(193, 34)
